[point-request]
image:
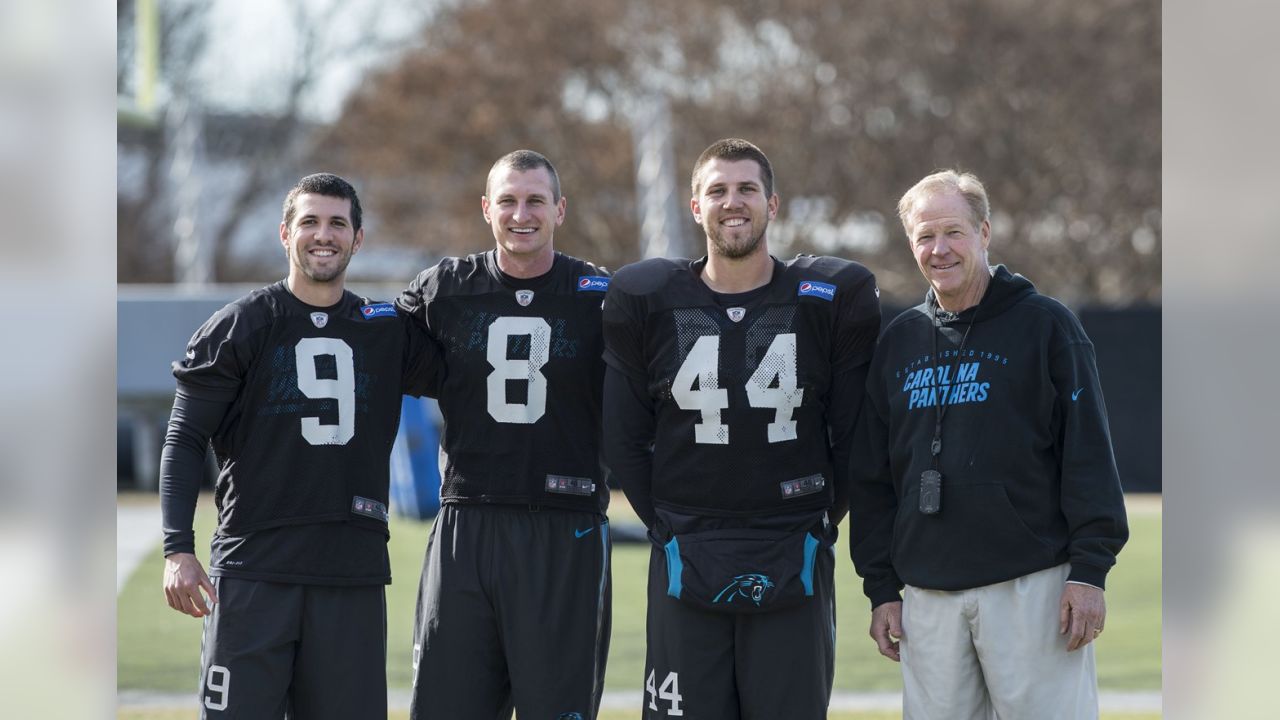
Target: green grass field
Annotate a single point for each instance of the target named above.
(606, 715)
(158, 649)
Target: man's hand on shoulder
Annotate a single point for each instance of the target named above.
(184, 578)
(886, 628)
(1081, 614)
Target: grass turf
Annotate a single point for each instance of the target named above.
(158, 649)
(604, 715)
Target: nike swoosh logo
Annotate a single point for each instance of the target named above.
(580, 533)
(1076, 394)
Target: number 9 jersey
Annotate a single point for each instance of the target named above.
(314, 397)
(524, 377)
(740, 382)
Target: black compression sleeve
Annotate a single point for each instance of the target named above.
(847, 391)
(191, 424)
(628, 439)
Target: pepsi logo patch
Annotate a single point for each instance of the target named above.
(813, 288)
(593, 283)
(377, 310)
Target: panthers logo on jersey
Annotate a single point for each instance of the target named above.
(751, 586)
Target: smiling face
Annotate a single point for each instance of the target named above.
(732, 208)
(950, 248)
(523, 212)
(319, 240)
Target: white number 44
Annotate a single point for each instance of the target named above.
(701, 365)
(669, 691)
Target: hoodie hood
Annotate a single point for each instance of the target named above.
(1005, 290)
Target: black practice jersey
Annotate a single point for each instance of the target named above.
(521, 400)
(740, 383)
(315, 397)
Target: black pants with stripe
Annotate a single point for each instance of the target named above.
(514, 611)
(308, 652)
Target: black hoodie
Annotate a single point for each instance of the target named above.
(1029, 477)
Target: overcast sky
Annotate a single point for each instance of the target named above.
(251, 49)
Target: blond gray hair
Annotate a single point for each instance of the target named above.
(967, 185)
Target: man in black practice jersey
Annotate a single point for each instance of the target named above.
(514, 607)
(299, 386)
(732, 387)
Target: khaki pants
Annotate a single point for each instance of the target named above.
(994, 652)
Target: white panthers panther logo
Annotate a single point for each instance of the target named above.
(750, 586)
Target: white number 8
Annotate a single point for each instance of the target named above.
(530, 370)
(342, 388)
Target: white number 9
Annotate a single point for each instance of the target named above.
(218, 680)
(342, 388)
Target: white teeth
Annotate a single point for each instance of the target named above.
(523, 231)
(324, 253)
(735, 222)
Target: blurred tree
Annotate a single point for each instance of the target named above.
(197, 171)
(1055, 104)
(144, 225)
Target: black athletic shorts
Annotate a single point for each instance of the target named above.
(316, 652)
(513, 612)
(712, 665)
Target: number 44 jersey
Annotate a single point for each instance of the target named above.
(524, 377)
(740, 384)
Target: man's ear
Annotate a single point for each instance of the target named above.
(561, 207)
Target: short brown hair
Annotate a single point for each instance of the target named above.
(734, 149)
(525, 160)
(328, 185)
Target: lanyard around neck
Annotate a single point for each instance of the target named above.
(940, 407)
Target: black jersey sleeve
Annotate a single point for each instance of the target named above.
(623, 320)
(218, 355)
(417, 299)
(848, 389)
(413, 300)
(424, 368)
(209, 376)
(857, 320)
(628, 439)
(193, 421)
(857, 326)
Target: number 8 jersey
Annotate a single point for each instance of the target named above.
(740, 383)
(524, 377)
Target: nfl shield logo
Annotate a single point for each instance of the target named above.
(320, 319)
(524, 297)
(736, 314)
